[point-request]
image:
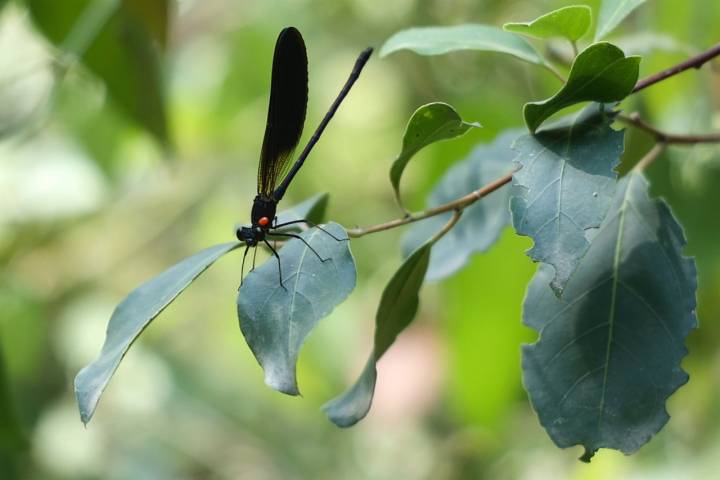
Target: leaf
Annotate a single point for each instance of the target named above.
(570, 22)
(132, 316)
(481, 223)
(275, 320)
(312, 209)
(612, 12)
(600, 73)
(440, 40)
(429, 124)
(398, 306)
(564, 188)
(116, 40)
(644, 43)
(609, 352)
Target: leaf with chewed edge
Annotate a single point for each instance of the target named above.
(609, 351)
(564, 187)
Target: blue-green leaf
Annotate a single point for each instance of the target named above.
(608, 354)
(564, 187)
(612, 12)
(398, 305)
(571, 22)
(481, 222)
(429, 124)
(275, 320)
(132, 316)
(440, 40)
(600, 73)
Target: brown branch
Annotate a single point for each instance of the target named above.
(694, 62)
(457, 205)
(636, 121)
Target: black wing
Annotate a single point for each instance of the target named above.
(286, 112)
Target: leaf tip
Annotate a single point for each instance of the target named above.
(587, 455)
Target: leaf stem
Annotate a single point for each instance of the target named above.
(636, 121)
(693, 62)
(551, 68)
(650, 157)
(458, 205)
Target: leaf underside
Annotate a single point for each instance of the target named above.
(312, 209)
(609, 352)
(441, 40)
(275, 320)
(132, 316)
(397, 309)
(481, 223)
(564, 187)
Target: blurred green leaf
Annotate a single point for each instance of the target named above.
(570, 22)
(612, 12)
(609, 351)
(440, 40)
(312, 209)
(429, 124)
(564, 187)
(644, 43)
(397, 309)
(600, 73)
(481, 223)
(12, 436)
(132, 316)
(275, 320)
(120, 41)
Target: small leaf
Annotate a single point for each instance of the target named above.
(275, 320)
(564, 188)
(600, 73)
(609, 351)
(398, 306)
(440, 40)
(116, 41)
(132, 316)
(570, 22)
(429, 124)
(481, 222)
(612, 12)
(312, 209)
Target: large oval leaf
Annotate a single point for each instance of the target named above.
(440, 40)
(131, 317)
(570, 22)
(600, 73)
(398, 306)
(564, 188)
(429, 124)
(275, 320)
(612, 12)
(481, 222)
(609, 351)
(119, 41)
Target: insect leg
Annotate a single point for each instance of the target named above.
(242, 266)
(311, 224)
(278, 260)
(302, 240)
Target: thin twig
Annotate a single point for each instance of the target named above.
(694, 62)
(650, 157)
(457, 204)
(636, 121)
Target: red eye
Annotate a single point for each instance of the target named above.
(264, 221)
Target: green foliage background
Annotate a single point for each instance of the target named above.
(90, 206)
